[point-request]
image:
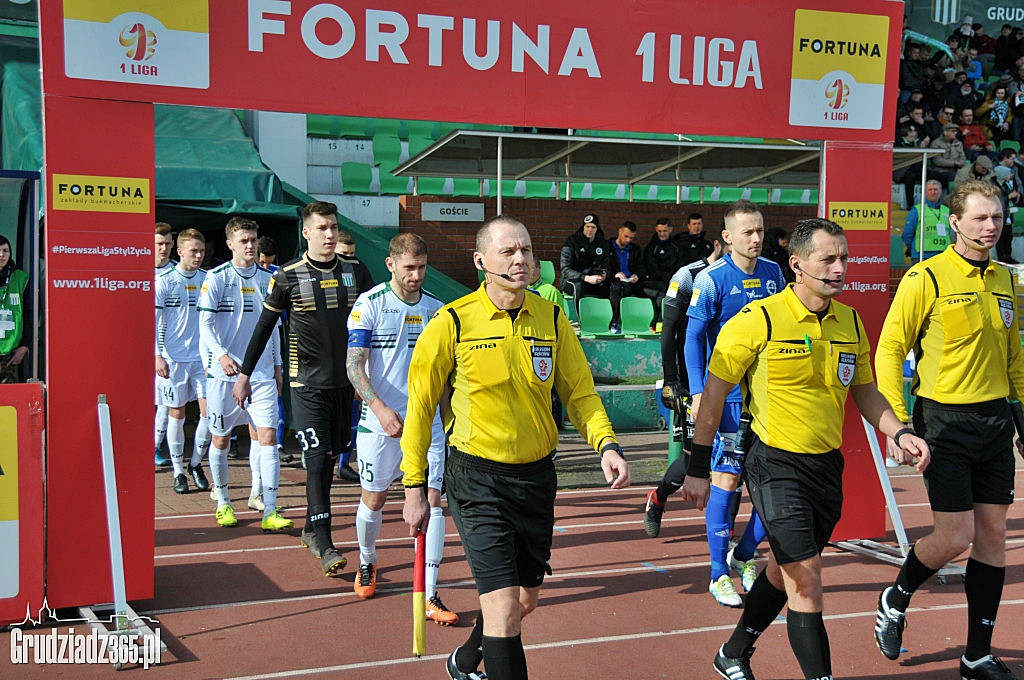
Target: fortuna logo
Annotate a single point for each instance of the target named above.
(141, 43)
(841, 47)
(837, 94)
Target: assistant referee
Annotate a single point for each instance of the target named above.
(797, 355)
(500, 352)
(957, 311)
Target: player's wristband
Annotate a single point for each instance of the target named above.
(700, 461)
(415, 486)
(612, 446)
(901, 432)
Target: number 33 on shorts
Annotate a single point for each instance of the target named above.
(307, 438)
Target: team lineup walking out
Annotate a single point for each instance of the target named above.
(316, 291)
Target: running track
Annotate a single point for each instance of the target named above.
(235, 603)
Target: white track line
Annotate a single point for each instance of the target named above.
(585, 641)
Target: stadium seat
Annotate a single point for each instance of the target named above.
(1009, 144)
(595, 316)
(637, 315)
(392, 185)
(387, 150)
(430, 186)
(464, 186)
(418, 142)
(356, 178)
(339, 126)
(547, 271)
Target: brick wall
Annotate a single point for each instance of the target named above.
(550, 222)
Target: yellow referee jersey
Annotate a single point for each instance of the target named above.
(501, 373)
(961, 324)
(795, 371)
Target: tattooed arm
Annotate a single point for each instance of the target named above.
(355, 365)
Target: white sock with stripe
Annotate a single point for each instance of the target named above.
(176, 443)
(435, 548)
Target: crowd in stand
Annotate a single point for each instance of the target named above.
(965, 99)
(594, 265)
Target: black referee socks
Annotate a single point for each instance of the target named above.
(763, 604)
(809, 641)
(983, 585)
(504, 658)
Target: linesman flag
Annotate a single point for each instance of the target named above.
(419, 599)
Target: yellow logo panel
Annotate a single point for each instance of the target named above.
(95, 193)
(859, 215)
(180, 15)
(8, 463)
(838, 77)
(830, 41)
(329, 283)
(752, 283)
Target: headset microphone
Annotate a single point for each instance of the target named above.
(976, 240)
(834, 282)
(480, 266)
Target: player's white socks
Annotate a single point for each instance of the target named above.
(368, 524)
(160, 425)
(219, 472)
(176, 443)
(435, 548)
(255, 467)
(201, 441)
(270, 469)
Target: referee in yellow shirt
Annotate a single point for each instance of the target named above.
(797, 355)
(956, 311)
(500, 352)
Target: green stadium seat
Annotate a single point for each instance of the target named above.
(547, 271)
(654, 193)
(339, 126)
(418, 142)
(430, 186)
(392, 185)
(465, 186)
(1009, 144)
(536, 189)
(387, 150)
(423, 128)
(637, 315)
(387, 126)
(356, 178)
(595, 316)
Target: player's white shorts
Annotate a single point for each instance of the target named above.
(186, 382)
(380, 460)
(156, 391)
(224, 413)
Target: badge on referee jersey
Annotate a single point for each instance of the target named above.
(847, 366)
(542, 363)
(1006, 311)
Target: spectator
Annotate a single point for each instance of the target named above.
(1008, 157)
(947, 114)
(1016, 92)
(661, 259)
(911, 71)
(964, 30)
(1011, 198)
(967, 97)
(547, 290)
(908, 176)
(975, 141)
(995, 113)
(984, 44)
(1005, 50)
(944, 63)
(13, 283)
(944, 167)
(918, 121)
(584, 262)
(694, 243)
(953, 86)
(974, 70)
(916, 99)
(625, 270)
(980, 169)
(936, 223)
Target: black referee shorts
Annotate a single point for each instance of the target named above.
(321, 418)
(972, 453)
(505, 515)
(798, 496)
